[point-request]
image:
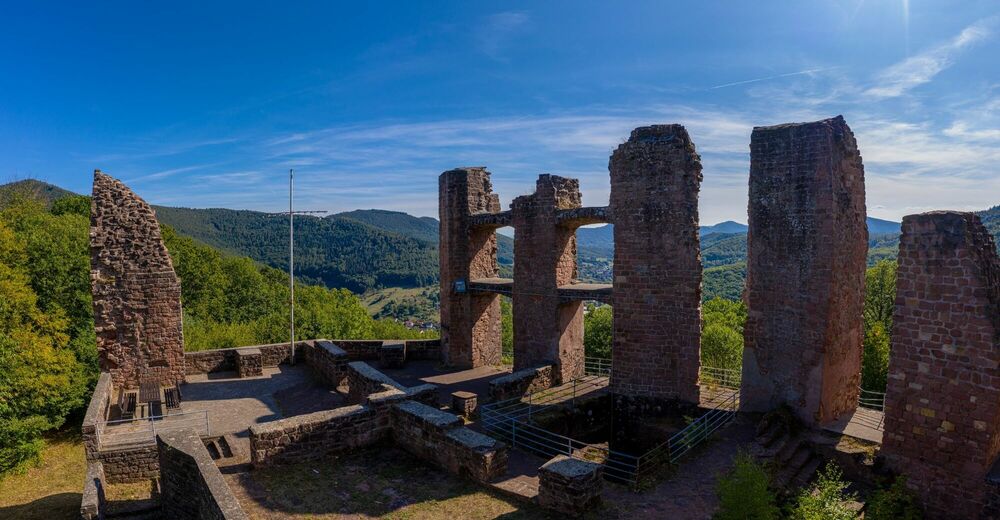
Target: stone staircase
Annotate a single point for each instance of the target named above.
(792, 456)
(226, 450)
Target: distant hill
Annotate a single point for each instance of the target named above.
(421, 228)
(35, 188)
(728, 227)
(336, 251)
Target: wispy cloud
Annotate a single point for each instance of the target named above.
(493, 37)
(921, 68)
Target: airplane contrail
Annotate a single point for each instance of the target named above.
(744, 82)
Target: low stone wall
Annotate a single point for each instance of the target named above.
(440, 438)
(327, 361)
(129, 464)
(92, 503)
(423, 349)
(570, 486)
(97, 410)
(364, 380)
(360, 349)
(191, 485)
(224, 359)
(316, 435)
(520, 383)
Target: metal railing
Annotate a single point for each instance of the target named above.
(143, 431)
(593, 366)
(511, 421)
(872, 400)
(720, 377)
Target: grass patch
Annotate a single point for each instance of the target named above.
(50, 489)
(380, 483)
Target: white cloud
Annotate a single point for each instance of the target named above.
(921, 68)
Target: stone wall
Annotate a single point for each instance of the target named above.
(942, 404)
(470, 323)
(655, 178)
(364, 380)
(521, 383)
(439, 438)
(92, 503)
(123, 465)
(224, 359)
(327, 361)
(806, 259)
(97, 411)
(360, 350)
(423, 349)
(316, 435)
(546, 331)
(136, 294)
(191, 486)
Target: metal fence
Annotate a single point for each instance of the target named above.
(720, 377)
(872, 400)
(143, 431)
(511, 421)
(597, 367)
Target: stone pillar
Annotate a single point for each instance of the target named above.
(470, 323)
(942, 404)
(546, 332)
(655, 177)
(136, 294)
(806, 258)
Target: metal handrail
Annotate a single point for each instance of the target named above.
(148, 427)
(871, 399)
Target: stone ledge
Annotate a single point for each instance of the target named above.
(570, 486)
(429, 415)
(517, 384)
(93, 502)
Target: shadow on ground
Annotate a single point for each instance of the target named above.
(53, 507)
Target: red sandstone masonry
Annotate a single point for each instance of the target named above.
(546, 332)
(470, 323)
(807, 247)
(942, 406)
(655, 178)
(136, 294)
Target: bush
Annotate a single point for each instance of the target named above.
(893, 503)
(744, 493)
(827, 501)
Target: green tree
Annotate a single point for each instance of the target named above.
(40, 383)
(507, 331)
(598, 331)
(880, 302)
(722, 333)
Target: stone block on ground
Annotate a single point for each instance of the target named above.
(464, 403)
(570, 486)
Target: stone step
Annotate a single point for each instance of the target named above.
(806, 473)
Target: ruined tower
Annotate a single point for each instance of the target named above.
(470, 321)
(806, 258)
(942, 404)
(136, 294)
(655, 178)
(547, 330)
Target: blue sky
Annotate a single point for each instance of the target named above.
(209, 105)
